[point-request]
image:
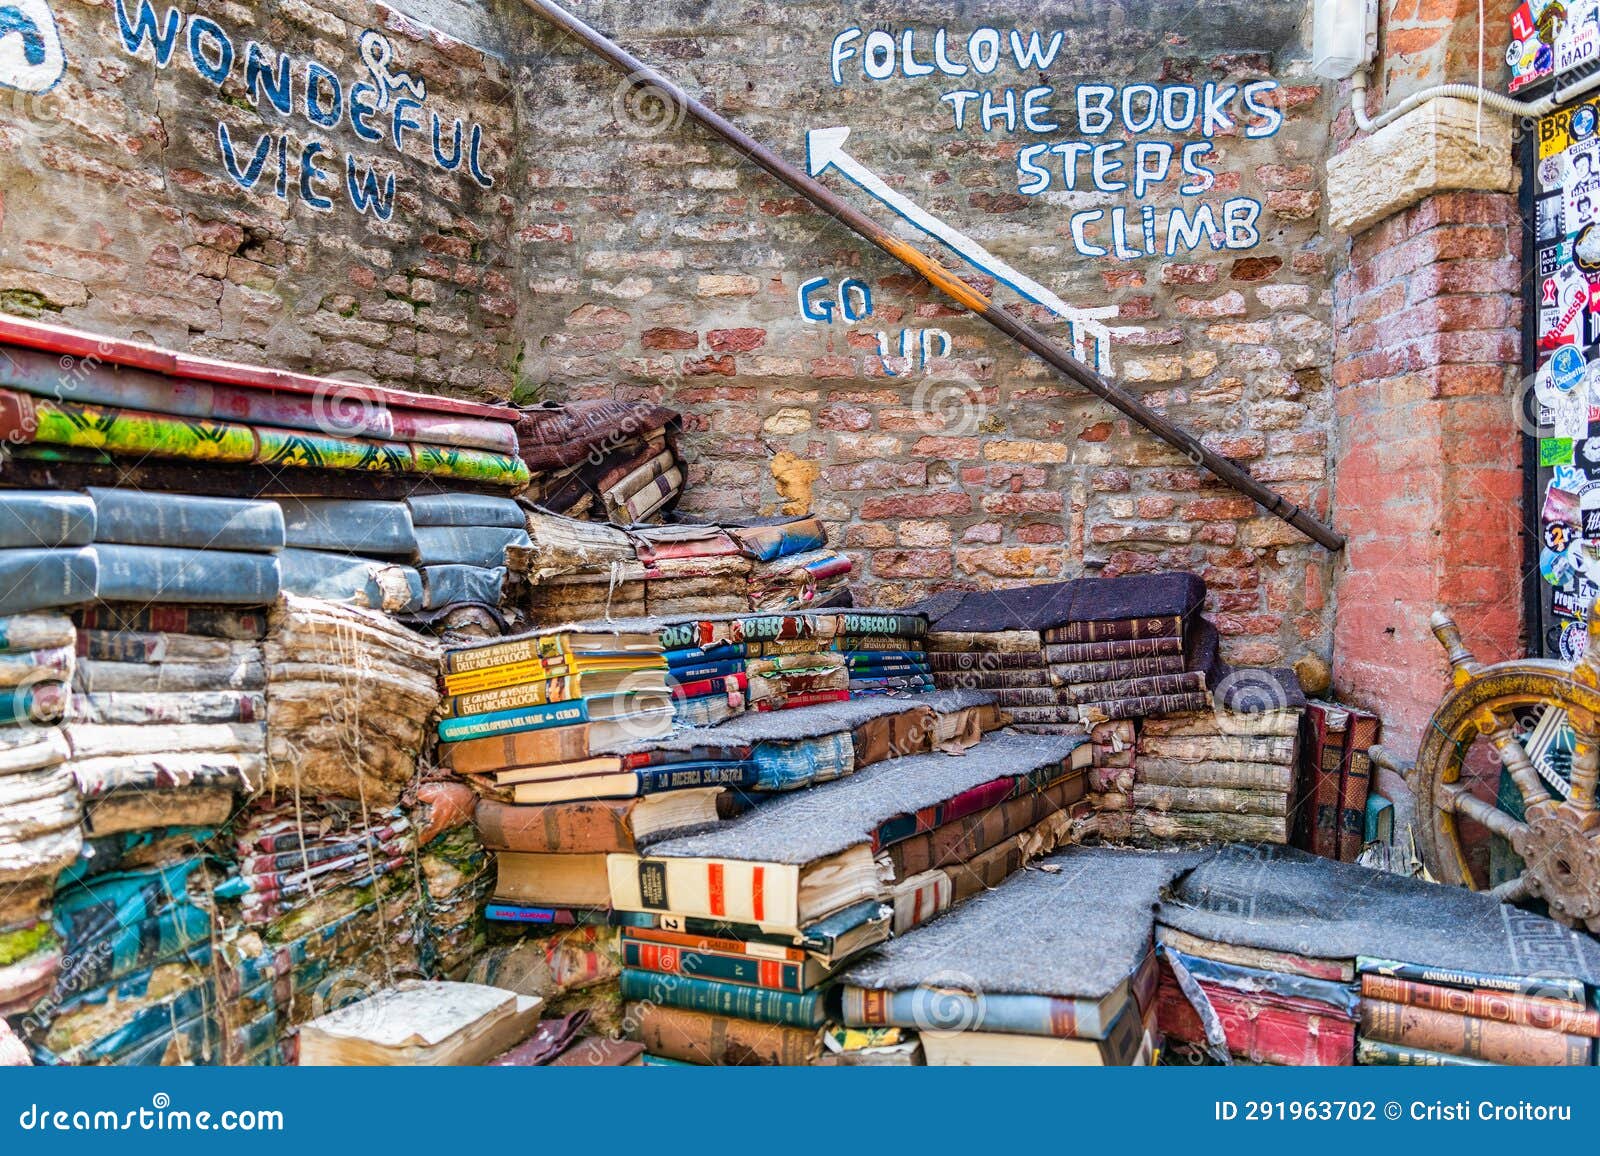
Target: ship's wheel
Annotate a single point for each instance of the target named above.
(1547, 815)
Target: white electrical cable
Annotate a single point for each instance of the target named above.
(1485, 98)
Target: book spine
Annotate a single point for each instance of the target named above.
(172, 574)
(1372, 1053)
(701, 687)
(691, 655)
(698, 1038)
(1142, 706)
(1221, 774)
(588, 827)
(1219, 828)
(40, 579)
(206, 621)
(692, 942)
(465, 509)
(738, 1001)
(733, 889)
(512, 721)
(1329, 750)
(1260, 1029)
(1214, 800)
(138, 518)
(483, 658)
(500, 677)
(1543, 987)
(664, 959)
(1276, 750)
(955, 1010)
(507, 698)
(653, 780)
(483, 546)
(565, 744)
(683, 673)
(1548, 1015)
(1134, 689)
(1115, 670)
(1116, 630)
(1472, 1036)
(1355, 775)
(44, 519)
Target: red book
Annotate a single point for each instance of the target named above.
(1261, 1027)
(1322, 761)
(1355, 777)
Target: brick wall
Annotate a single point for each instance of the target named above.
(119, 213)
(1429, 477)
(664, 267)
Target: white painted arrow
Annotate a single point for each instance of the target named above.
(825, 150)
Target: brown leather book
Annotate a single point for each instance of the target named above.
(1116, 630)
(965, 838)
(592, 826)
(894, 736)
(527, 749)
(1355, 775)
(1068, 673)
(703, 1038)
(1134, 688)
(1530, 1011)
(1474, 1036)
(1069, 652)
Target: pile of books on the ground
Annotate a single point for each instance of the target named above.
(576, 570)
(1334, 779)
(39, 830)
(1250, 975)
(803, 873)
(605, 461)
(456, 876)
(1217, 776)
(1055, 966)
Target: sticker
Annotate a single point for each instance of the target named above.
(1555, 452)
(1551, 258)
(1548, 218)
(1558, 537)
(1561, 506)
(1558, 567)
(1580, 189)
(1573, 600)
(1574, 641)
(1586, 454)
(1570, 416)
(1567, 368)
(1583, 122)
(1591, 517)
(1568, 478)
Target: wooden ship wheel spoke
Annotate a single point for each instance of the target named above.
(1549, 819)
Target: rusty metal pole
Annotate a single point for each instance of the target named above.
(963, 294)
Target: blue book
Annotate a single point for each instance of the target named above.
(804, 1010)
(630, 784)
(140, 518)
(170, 574)
(690, 655)
(467, 545)
(687, 673)
(349, 526)
(886, 657)
(40, 579)
(451, 585)
(518, 913)
(789, 766)
(352, 581)
(466, 510)
(31, 519)
(510, 722)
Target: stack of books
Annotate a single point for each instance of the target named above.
(1217, 776)
(1420, 971)
(579, 452)
(1334, 779)
(456, 876)
(1008, 664)
(802, 872)
(709, 683)
(634, 477)
(1415, 1015)
(789, 660)
(550, 700)
(39, 828)
(167, 726)
(886, 653)
(1051, 967)
(350, 698)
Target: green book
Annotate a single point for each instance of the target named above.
(729, 999)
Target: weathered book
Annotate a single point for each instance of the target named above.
(563, 744)
(1530, 1011)
(1142, 706)
(1112, 651)
(740, 1001)
(28, 632)
(1210, 828)
(1327, 726)
(1355, 777)
(653, 497)
(31, 519)
(374, 529)
(1339, 998)
(474, 660)
(465, 510)
(39, 579)
(1113, 670)
(351, 581)
(570, 880)
(635, 783)
(1278, 749)
(1220, 774)
(467, 545)
(1115, 630)
(834, 938)
(1539, 982)
(985, 662)
(147, 808)
(141, 518)
(561, 688)
(1024, 642)
(1210, 800)
(1216, 723)
(420, 1023)
(1372, 1053)
(163, 574)
(245, 673)
(793, 536)
(1262, 1027)
(1480, 1039)
(1262, 959)
(208, 621)
(964, 839)
(710, 1039)
(1152, 686)
(452, 585)
(508, 722)
(1008, 679)
(1044, 696)
(1129, 1044)
(706, 962)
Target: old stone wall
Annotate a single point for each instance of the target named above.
(664, 265)
(322, 185)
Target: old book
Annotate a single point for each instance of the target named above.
(706, 1038)
(1543, 984)
(997, 642)
(1327, 726)
(229, 622)
(741, 1001)
(195, 806)
(1531, 1011)
(1262, 1027)
(594, 826)
(169, 574)
(1144, 705)
(643, 781)
(525, 748)
(467, 545)
(31, 519)
(561, 688)
(1221, 774)
(1223, 722)
(537, 647)
(1262, 959)
(140, 518)
(1472, 1036)
(989, 663)
(372, 528)
(1115, 630)
(444, 586)
(40, 579)
(1113, 651)
(1079, 673)
(1372, 1053)
(704, 961)
(965, 838)
(465, 510)
(1277, 749)
(420, 1023)
(552, 880)
(990, 1049)
(1213, 800)
(1135, 688)
(1210, 827)
(1355, 777)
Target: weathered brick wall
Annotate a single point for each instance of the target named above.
(662, 265)
(121, 214)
